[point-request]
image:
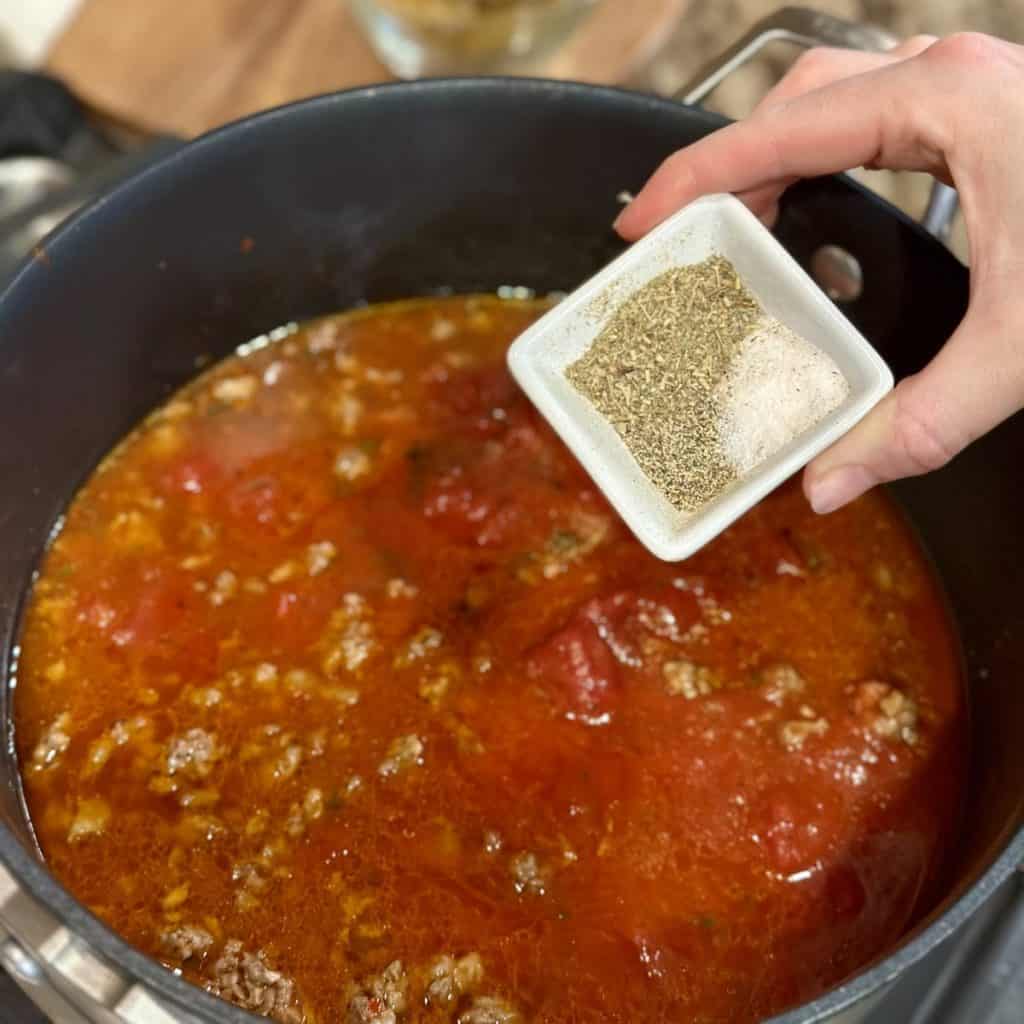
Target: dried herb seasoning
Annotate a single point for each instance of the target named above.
(654, 370)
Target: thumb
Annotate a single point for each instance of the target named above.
(974, 383)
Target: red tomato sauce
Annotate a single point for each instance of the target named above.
(344, 692)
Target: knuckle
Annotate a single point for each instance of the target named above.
(971, 48)
(677, 171)
(813, 62)
(923, 443)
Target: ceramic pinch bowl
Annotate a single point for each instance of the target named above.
(714, 225)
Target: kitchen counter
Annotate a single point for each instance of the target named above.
(186, 68)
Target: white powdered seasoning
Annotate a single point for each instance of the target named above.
(777, 386)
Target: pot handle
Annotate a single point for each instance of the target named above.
(805, 27)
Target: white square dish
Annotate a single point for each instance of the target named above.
(714, 225)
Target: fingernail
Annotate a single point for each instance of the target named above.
(618, 220)
(839, 486)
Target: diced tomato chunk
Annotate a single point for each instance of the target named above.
(796, 827)
(578, 665)
(622, 619)
(156, 617)
(453, 496)
(475, 508)
(583, 662)
(273, 496)
(483, 398)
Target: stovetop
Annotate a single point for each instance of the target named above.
(15, 1007)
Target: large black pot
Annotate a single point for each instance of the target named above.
(468, 185)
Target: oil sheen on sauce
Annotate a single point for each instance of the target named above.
(344, 692)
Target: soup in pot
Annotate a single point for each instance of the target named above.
(345, 693)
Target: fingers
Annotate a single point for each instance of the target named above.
(764, 202)
(940, 107)
(879, 117)
(824, 65)
(975, 383)
(815, 69)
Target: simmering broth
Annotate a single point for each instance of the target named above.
(343, 691)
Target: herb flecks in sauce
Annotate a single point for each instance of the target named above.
(437, 741)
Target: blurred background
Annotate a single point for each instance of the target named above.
(162, 68)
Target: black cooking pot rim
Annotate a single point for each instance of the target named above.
(182, 995)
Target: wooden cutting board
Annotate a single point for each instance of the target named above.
(186, 67)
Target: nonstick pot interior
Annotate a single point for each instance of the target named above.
(463, 185)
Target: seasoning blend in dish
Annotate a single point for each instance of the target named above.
(684, 377)
(701, 384)
(345, 693)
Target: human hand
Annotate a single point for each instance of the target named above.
(952, 107)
